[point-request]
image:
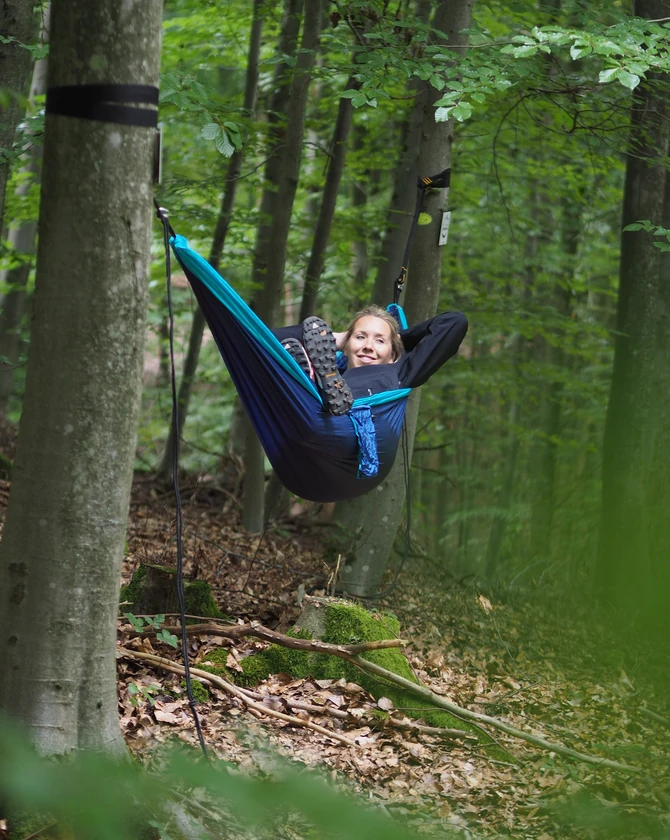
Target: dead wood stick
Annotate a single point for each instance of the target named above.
(312, 708)
(234, 691)
(478, 717)
(442, 732)
(654, 716)
(235, 631)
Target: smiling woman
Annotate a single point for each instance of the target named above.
(377, 355)
(372, 338)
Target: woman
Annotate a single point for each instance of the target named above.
(376, 355)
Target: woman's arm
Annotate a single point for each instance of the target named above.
(428, 345)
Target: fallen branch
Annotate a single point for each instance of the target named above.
(257, 631)
(350, 653)
(439, 731)
(654, 716)
(234, 691)
(477, 717)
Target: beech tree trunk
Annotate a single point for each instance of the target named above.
(270, 253)
(62, 547)
(19, 22)
(632, 567)
(218, 240)
(324, 222)
(375, 518)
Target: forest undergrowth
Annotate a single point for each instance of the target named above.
(540, 661)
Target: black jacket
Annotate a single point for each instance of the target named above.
(427, 345)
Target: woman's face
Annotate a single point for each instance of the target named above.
(369, 343)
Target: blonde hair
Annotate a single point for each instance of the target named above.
(375, 311)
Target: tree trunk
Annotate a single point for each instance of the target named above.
(23, 241)
(403, 199)
(375, 517)
(269, 267)
(65, 530)
(218, 241)
(324, 222)
(360, 261)
(19, 23)
(637, 416)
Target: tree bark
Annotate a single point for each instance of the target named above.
(18, 20)
(218, 241)
(65, 529)
(23, 241)
(324, 222)
(374, 519)
(636, 428)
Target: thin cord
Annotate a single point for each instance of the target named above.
(167, 232)
(408, 508)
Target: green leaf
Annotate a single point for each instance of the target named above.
(443, 114)
(462, 111)
(210, 131)
(629, 80)
(633, 227)
(577, 52)
(609, 75)
(224, 145)
(608, 48)
(523, 52)
(138, 623)
(168, 638)
(424, 219)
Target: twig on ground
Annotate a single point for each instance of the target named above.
(654, 716)
(236, 631)
(477, 717)
(234, 691)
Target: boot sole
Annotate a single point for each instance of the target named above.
(319, 342)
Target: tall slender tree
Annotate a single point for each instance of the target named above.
(374, 519)
(19, 26)
(270, 253)
(634, 522)
(60, 562)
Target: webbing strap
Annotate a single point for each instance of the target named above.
(368, 457)
(103, 102)
(433, 182)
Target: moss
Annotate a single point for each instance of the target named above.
(199, 600)
(197, 595)
(131, 591)
(344, 623)
(200, 690)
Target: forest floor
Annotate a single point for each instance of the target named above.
(541, 665)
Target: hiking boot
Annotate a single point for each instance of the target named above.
(297, 352)
(319, 342)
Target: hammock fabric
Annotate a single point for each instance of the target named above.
(316, 455)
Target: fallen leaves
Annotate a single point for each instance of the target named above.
(490, 657)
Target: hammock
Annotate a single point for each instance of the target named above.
(316, 455)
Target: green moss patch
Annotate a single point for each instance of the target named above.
(343, 623)
(160, 596)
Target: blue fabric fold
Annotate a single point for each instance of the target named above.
(368, 457)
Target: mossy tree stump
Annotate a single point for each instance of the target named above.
(340, 622)
(153, 590)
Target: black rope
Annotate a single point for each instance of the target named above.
(167, 233)
(434, 182)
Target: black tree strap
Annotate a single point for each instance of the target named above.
(434, 182)
(106, 103)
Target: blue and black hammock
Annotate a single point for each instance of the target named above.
(315, 454)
